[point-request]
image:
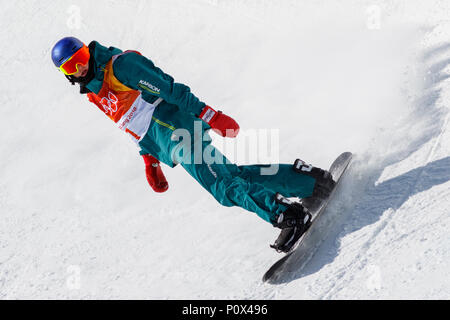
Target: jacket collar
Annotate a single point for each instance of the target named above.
(100, 56)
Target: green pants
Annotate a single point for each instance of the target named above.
(228, 183)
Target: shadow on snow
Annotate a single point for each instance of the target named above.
(344, 217)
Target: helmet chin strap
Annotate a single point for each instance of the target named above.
(81, 80)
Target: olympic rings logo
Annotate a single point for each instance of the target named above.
(109, 103)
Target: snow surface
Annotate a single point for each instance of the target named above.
(78, 219)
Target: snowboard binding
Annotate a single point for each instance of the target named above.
(301, 251)
(322, 188)
(293, 222)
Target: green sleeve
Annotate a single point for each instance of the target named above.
(138, 72)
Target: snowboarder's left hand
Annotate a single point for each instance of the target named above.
(219, 122)
(155, 176)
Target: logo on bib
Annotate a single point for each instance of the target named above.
(109, 103)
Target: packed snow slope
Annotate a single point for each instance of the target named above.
(78, 219)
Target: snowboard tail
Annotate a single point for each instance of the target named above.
(300, 253)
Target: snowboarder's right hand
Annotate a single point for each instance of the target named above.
(219, 122)
(155, 176)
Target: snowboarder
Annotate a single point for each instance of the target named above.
(150, 106)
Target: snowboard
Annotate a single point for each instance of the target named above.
(304, 248)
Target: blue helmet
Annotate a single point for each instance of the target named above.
(64, 49)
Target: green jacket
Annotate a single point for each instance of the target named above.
(179, 109)
(139, 73)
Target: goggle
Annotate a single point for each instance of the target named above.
(81, 57)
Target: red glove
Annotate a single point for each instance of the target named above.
(219, 122)
(155, 176)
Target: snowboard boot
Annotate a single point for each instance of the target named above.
(293, 222)
(322, 188)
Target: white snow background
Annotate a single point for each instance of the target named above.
(78, 220)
